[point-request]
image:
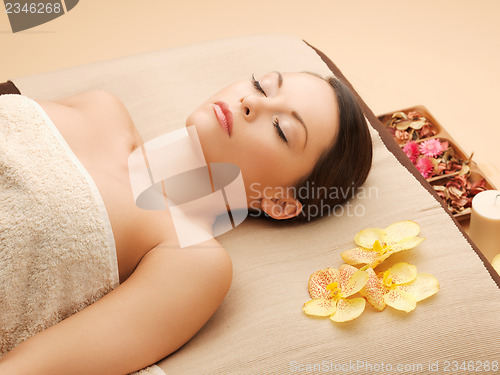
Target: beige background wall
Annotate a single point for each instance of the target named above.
(397, 53)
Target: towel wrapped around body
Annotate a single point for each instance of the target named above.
(57, 252)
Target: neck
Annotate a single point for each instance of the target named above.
(171, 170)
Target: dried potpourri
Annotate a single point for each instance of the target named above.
(434, 158)
(449, 164)
(458, 193)
(407, 127)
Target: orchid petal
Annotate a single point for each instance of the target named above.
(351, 280)
(374, 291)
(400, 230)
(400, 300)
(319, 280)
(407, 243)
(402, 273)
(367, 237)
(381, 258)
(345, 273)
(320, 307)
(359, 255)
(423, 286)
(348, 309)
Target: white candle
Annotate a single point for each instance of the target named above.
(485, 222)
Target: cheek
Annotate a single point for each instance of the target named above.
(264, 164)
(200, 117)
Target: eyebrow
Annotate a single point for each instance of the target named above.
(280, 79)
(297, 116)
(294, 114)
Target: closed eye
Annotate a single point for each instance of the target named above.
(279, 131)
(257, 86)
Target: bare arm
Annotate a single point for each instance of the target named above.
(167, 299)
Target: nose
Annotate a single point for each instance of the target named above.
(251, 106)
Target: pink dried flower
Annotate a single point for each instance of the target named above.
(401, 136)
(431, 147)
(452, 167)
(424, 166)
(411, 150)
(441, 194)
(477, 187)
(426, 131)
(441, 168)
(414, 115)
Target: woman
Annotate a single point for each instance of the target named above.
(284, 131)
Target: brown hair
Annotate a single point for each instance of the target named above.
(344, 166)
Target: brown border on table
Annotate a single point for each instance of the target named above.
(393, 147)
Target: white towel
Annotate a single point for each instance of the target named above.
(57, 252)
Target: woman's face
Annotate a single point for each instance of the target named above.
(274, 129)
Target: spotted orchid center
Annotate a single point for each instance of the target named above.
(388, 280)
(381, 248)
(334, 289)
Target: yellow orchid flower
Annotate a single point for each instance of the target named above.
(329, 289)
(496, 263)
(376, 245)
(400, 287)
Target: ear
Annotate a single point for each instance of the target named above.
(281, 208)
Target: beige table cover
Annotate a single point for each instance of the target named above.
(260, 327)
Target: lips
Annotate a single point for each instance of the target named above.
(224, 116)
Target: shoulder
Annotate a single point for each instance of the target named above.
(99, 108)
(179, 289)
(88, 98)
(195, 266)
(92, 102)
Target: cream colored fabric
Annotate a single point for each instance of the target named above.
(57, 253)
(151, 370)
(260, 327)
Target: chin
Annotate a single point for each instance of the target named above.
(212, 137)
(209, 143)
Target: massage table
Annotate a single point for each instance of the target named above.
(260, 327)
